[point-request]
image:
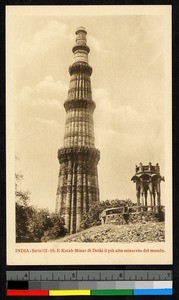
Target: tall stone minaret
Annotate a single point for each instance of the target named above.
(78, 178)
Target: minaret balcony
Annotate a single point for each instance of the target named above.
(80, 66)
(79, 103)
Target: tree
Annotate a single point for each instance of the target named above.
(24, 212)
(35, 224)
(55, 229)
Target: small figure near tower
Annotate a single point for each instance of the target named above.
(148, 179)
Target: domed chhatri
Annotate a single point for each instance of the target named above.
(148, 179)
(78, 178)
(80, 28)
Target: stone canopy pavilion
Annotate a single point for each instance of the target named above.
(147, 179)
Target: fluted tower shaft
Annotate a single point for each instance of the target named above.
(78, 179)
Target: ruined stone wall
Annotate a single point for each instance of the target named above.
(136, 217)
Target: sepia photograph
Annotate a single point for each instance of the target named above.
(89, 134)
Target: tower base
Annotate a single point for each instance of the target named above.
(78, 184)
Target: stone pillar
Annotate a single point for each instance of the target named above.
(84, 194)
(138, 196)
(79, 195)
(154, 196)
(150, 167)
(145, 194)
(158, 193)
(73, 201)
(89, 199)
(150, 191)
(141, 167)
(68, 196)
(151, 200)
(60, 191)
(96, 183)
(142, 190)
(142, 197)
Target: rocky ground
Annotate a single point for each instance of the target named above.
(140, 232)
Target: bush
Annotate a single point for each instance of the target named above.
(32, 224)
(24, 214)
(56, 230)
(91, 218)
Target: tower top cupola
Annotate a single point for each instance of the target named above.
(80, 48)
(81, 29)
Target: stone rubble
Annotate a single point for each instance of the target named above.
(139, 232)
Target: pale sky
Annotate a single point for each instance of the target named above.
(129, 86)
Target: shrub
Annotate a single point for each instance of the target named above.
(56, 230)
(24, 214)
(92, 217)
(32, 223)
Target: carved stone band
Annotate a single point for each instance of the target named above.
(78, 153)
(81, 47)
(80, 67)
(80, 103)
